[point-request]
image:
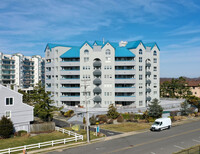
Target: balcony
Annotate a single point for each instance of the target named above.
(97, 99)
(125, 98)
(148, 64)
(71, 63)
(97, 81)
(148, 81)
(97, 73)
(124, 63)
(124, 80)
(97, 90)
(97, 64)
(148, 73)
(70, 72)
(69, 98)
(64, 81)
(70, 89)
(124, 89)
(148, 98)
(125, 71)
(148, 90)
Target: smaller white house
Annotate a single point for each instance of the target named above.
(12, 107)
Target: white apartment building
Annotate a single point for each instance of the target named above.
(124, 73)
(22, 71)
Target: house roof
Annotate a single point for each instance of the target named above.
(133, 44)
(74, 52)
(152, 44)
(51, 45)
(123, 52)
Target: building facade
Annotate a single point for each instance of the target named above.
(12, 107)
(104, 73)
(20, 70)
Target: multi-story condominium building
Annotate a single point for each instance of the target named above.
(125, 73)
(20, 70)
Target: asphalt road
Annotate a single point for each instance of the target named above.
(163, 142)
(61, 123)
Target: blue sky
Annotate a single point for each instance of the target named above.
(26, 26)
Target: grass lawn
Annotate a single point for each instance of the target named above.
(84, 133)
(25, 140)
(126, 127)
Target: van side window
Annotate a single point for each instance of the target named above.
(161, 123)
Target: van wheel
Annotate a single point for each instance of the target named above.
(159, 129)
(169, 127)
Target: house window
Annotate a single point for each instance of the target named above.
(155, 60)
(8, 114)
(86, 59)
(140, 68)
(108, 52)
(140, 51)
(140, 77)
(9, 101)
(140, 103)
(155, 77)
(140, 93)
(155, 53)
(155, 68)
(86, 52)
(140, 59)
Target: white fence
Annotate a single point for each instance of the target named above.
(49, 143)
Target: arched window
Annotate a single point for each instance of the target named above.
(108, 52)
(140, 51)
(155, 53)
(86, 52)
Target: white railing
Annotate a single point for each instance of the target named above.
(49, 143)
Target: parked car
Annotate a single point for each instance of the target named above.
(161, 123)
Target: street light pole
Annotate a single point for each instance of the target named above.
(87, 114)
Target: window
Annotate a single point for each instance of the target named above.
(8, 114)
(108, 52)
(155, 77)
(140, 93)
(140, 77)
(155, 60)
(86, 52)
(155, 53)
(155, 92)
(140, 59)
(140, 51)
(9, 101)
(86, 59)
(154, 68)
(108, 59)
(140, 87)
(140, 103)
(140, 68)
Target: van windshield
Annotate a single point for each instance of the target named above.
(156, 123)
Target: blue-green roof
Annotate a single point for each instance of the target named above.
(98, 43)
(123, 52)
(151, 45)
(74, 52)
(87, 43)
(133, 44)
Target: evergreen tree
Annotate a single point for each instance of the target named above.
(185, 108)
(43, 104)
(193, 100)
(112, 112)
(154, 109)
(6, 127)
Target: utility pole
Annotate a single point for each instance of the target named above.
(87, 114)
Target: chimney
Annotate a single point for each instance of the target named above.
(123, 43)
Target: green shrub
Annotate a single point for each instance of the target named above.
(120, 118)
(6, 127)
(69, 113)
(112, 112)
(93, 120)
(173, 113)
(21, 133)
(126, 116)
(84, 121)
(102, 118)
(138, 116)
(130, 118)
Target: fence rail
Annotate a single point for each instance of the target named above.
(192, 150)
(49, 143)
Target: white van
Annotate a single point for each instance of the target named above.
(161, 123)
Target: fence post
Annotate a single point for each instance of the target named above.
(64, 141)
(75, 137)
(9, 150)
(82, 137)
(69, 133)
(52, 143)
(63, 131)
(38, 145)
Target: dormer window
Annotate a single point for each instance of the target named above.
(86, 52)
(9, 101)
(140, 51)
(155, 53)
